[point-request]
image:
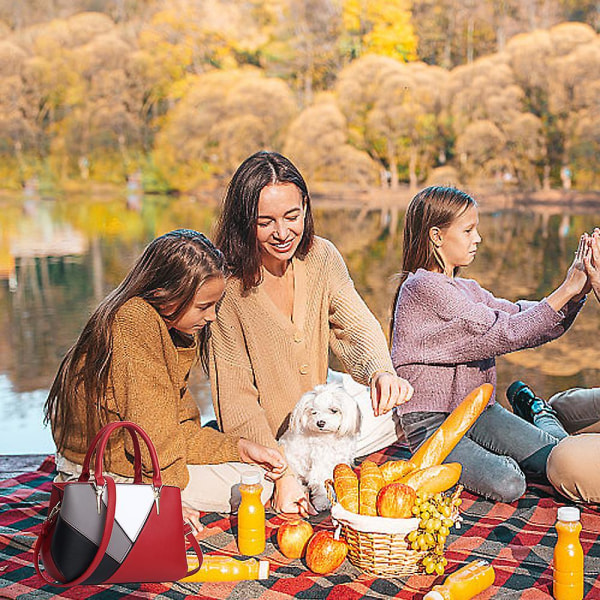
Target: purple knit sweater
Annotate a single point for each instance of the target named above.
(448, 332)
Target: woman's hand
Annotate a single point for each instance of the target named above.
(193, 516)
(270, 459)
(387, 391)
(290, 497)
(592, 262)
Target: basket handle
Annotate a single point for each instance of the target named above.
(330, 489)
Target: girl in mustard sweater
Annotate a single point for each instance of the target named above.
(131, 363)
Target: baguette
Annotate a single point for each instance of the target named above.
(371, 481)
(435, 449)
(437, 478)
(392, 470)
(345, 483)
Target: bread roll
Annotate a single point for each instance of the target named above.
(393, 470)
(345, 483)
(437, 478)
(371, 481)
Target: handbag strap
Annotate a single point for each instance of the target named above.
(137, 463)
(101, 440)
(189, 534)
(111, 503)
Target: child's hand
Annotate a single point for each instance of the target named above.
(592, 262)
(193, 517)
(577, 278)
(270, 459)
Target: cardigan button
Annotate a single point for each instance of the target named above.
(303, 369)
(298, 337)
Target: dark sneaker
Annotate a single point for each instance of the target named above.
(525, 403)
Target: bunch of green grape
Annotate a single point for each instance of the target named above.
(436, 513)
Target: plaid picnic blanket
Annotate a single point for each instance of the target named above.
(518, 539)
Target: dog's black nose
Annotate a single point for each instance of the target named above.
(320, 424)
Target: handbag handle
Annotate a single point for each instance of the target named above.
(137, 463)
(100, 446)
(111, 503)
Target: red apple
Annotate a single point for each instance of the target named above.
(293, 536)
(324, 553)
(396, 500)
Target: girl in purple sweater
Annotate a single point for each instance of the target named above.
(447, 332)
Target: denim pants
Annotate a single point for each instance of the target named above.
(497, 452)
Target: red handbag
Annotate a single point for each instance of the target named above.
(100, 531)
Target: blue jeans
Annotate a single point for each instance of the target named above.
(497, 452)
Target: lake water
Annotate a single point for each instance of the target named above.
(58, 258)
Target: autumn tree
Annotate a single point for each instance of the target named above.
(381, 27)
(317, 141)
(392, 111)
(222, 117)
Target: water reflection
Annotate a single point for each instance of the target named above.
(59, 258)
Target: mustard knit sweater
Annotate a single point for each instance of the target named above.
(261, 362)
(148, 385)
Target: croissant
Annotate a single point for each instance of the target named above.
(345, 483)
(371, 481)
(392, 470)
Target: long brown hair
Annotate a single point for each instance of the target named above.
(236, 228)
(168, 273)
(434, 206)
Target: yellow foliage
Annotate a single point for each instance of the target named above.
(381, 27)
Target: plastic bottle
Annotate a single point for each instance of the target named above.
(251, 515)
(568, 556)
(465, 583)
(227, 568)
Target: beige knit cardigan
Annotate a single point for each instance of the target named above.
(262, 362)
(148, 385)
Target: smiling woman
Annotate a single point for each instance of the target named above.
(289, 302)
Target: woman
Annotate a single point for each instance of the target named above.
(289, 301)
(447, 332)
(132, 362)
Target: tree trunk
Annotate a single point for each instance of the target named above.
(392, 165)
(412, 169)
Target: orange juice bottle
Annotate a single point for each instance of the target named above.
(568, 556)
(465, 583)
(251, 515)
(227, 568)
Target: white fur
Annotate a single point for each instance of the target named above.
(322, 433)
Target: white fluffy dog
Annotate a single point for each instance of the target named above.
(322, 432)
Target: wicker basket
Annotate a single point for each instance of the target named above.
(380, 554)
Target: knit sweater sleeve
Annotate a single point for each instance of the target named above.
(439, 323)
(235, 396)
(356, 337)
(146, 394)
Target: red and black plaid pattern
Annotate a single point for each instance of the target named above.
(518, 539)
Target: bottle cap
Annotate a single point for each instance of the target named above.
(250, 477)
(433, 595)
(263, 569)
(568, 513)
